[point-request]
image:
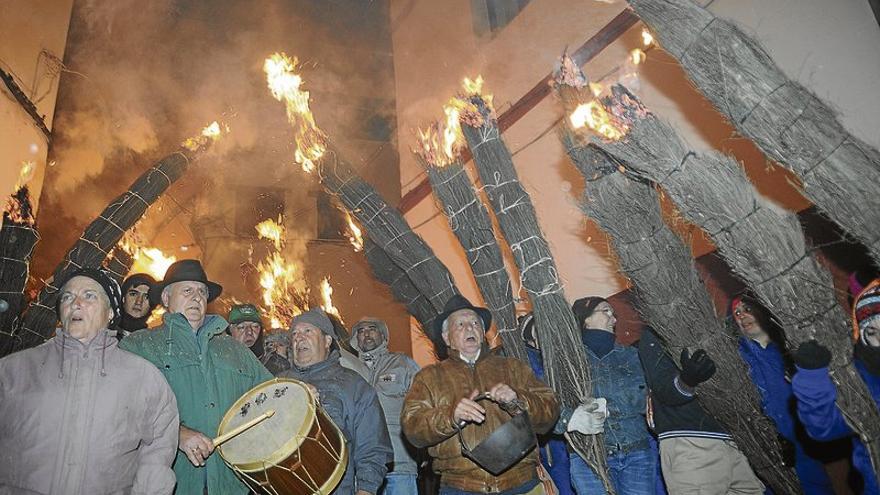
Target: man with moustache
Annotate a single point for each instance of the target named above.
(81, 416)
(246, 327)
(391, 374)
(206, 368)
(442, 401)
(346, 397)
(136, 304)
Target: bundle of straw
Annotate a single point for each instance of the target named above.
(565, 361)
(100, 236)
(401, 286)
(763, 245)
(839, 173)
(118, 263)
(670, 295)
(18, 236)
(388, 229)
(470, 222)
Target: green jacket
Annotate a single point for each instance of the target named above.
(208, 371)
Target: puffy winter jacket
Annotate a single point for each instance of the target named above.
(427, 417)
(85, 418)
(353, 406)
(822, 419)
(391, 375)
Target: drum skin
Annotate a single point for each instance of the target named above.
(298, 451)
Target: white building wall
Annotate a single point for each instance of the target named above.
(26, 29)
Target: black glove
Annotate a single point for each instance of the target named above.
(812, 355)
(695, 369)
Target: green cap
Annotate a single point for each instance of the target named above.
(244, 312)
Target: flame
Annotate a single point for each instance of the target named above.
(596, 88)
(18, 208)
(149, 260)
(28, 167)
(156, 316)
(354, 234)
(276, 278)
(211, 133)
(285, 85)
(593, 115)
(472, 87)
(327, 298)
(272, 230)
(637, 56)
(647, 37)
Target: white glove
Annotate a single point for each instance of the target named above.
(589, 418)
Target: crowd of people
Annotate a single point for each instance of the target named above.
(109, 406)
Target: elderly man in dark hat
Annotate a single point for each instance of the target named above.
(136, 304)
(346, 397)
(443, 402)
(81, 416)
(207, 369)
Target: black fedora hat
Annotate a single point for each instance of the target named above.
(457, 303)
(185, 271)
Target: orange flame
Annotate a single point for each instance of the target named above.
(276, 278)
(211, 133)
(285, 85)
(593, 115)
(647, 37)
(637, 56)
(151, 261)
(272, 230)
(354, 234)
(327, 298)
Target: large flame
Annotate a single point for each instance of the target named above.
(354, 234)
(285, 85)
(277, 276)
(441, 143)
(151, 261)
(593, 115)
(327, 298)
(272, 230)
(212, 132)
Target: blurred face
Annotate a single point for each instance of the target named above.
(84, 309)
(748, 324)
(368, 336)
(464, 332)
(279, 347)
(310, 344)
(246, 332)
(603, 318)
(872, 333)
(136, 301)
(188, 298)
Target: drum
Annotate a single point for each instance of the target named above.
(297, 451)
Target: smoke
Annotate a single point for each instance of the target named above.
(142, 76)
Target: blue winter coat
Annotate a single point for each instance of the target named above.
(554, 454)
(767, 369)
(822, 419)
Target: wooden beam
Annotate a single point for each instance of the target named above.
(592, 47)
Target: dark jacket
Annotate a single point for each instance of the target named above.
(427, 417)
(354, 407)
(677, 413)
(553, 451)
(822, 419)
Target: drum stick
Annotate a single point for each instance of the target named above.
(242, 427)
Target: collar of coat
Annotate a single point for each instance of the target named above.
(485, 352)
(67, 341)
(178, 326)
(332, 358)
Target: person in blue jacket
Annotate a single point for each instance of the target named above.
(552, 449)
(760, 347)
(619, 382)
(816, 393)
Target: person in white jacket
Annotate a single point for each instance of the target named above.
(78, 415)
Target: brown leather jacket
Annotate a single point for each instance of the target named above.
(427, 417)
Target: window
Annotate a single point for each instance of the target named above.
(492, 15)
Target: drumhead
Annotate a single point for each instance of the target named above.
(274, 438)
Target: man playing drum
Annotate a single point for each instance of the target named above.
(346, 397)
(207, 370)
(443, 396)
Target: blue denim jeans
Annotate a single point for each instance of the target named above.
(399, 484)
(632, 474)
